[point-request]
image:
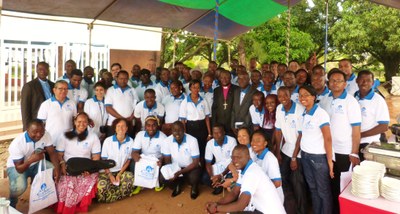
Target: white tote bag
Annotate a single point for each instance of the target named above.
(43, 189)
(345, 178)
(146, 172)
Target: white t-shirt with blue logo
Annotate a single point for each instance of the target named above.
(344, 112)
(374, 111)
(149, 146)
(79, 149)
(119, 152)
(182, 154)
(22, 147)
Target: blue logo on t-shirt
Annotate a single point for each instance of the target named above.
(292, 124)
(364, 111)
(339, 109)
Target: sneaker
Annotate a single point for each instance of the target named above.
(136, 190)
(158, 189)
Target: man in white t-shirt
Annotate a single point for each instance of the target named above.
(319, 83)
(77, 93)
(26, 150)
(148, 142)
(182, 150)
(346, 66)
(345, 116)
(68, 67)
(254, 191)
(121, 101)
(162, 87)
(219, 148)
(374, 111)
(289, 80)
(148, 107)
(57, 112)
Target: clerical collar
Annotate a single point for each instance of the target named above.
(226, 87)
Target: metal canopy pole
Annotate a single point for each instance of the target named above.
(2, 67)
(90, 28)
(216, 29)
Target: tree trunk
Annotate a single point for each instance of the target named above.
(391, 67)
(242, 52)
(162, 49)
(196, 51)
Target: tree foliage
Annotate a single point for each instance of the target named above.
(187, 46)
(370, 29)
(270, 39)
(312, 20)
(365, 32)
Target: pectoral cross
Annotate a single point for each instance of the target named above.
(225, 104)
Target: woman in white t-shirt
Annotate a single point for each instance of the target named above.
(172, 104)
(116, 183)
(75, 193)
(96, 110)
(194, 112)
(316, 150)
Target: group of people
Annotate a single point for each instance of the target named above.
(271, 137)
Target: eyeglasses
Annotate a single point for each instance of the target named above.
(304, 95)
(62, 89)
(336, 81)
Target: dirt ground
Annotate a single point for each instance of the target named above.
(149, 201)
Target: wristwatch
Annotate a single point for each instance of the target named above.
(293, 159)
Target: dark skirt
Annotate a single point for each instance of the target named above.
(198, 129)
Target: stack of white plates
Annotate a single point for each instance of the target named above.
(380, 167)
(366, 178)
(390, 189)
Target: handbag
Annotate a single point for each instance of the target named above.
(43, 189)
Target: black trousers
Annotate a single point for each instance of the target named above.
(294, 187)
(341, 164)
(192, 177)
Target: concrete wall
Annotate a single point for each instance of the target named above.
(127, 58)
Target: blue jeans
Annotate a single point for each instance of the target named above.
(316, 172)
(18, 181)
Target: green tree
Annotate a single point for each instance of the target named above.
(188, 45)
(370, 29)
(268, 41)
(312, 20)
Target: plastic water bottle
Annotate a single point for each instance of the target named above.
(4, 206)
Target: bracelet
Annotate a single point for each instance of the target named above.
(294, 159)
(61, 162)
(354, 155)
